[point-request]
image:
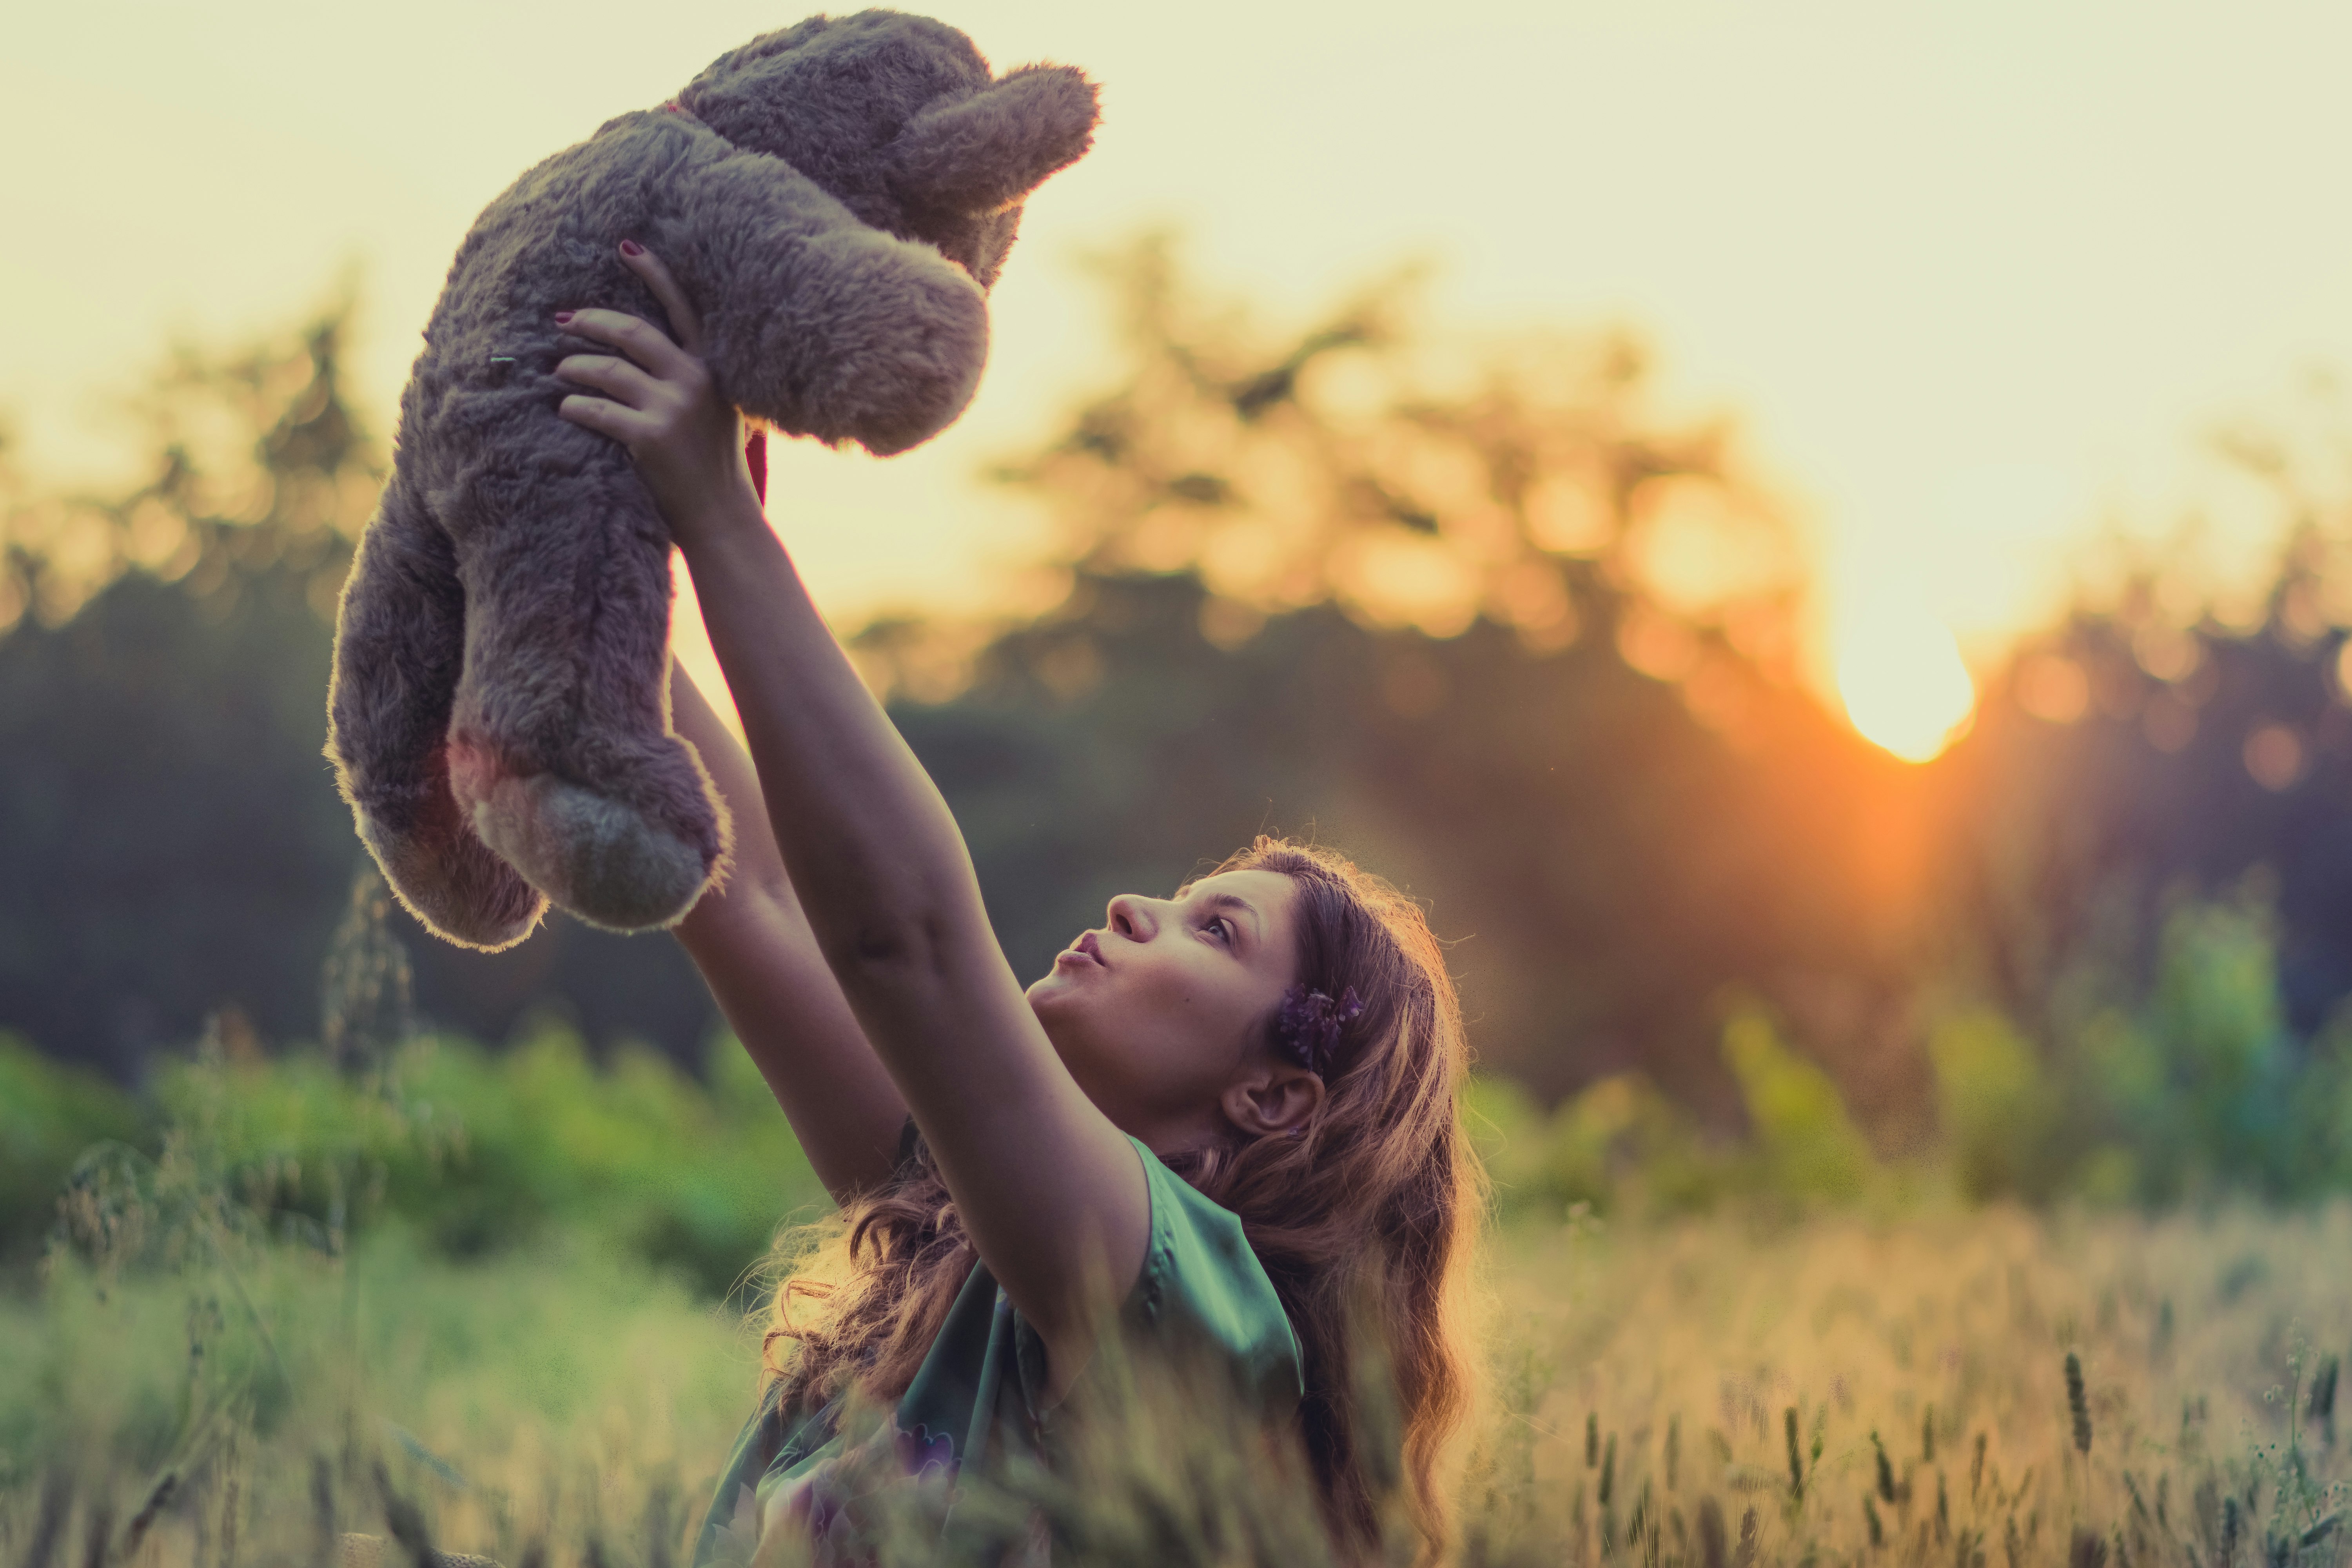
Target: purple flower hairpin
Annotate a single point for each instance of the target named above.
(1310, 1025)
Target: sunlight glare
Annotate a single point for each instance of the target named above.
(1902, 681)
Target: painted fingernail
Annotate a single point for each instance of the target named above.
(562, 317)
(631, 248)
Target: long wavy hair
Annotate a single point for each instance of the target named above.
(1363, 1222)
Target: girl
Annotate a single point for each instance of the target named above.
(1229, 1113)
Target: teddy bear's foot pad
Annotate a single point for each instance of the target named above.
(599, 858)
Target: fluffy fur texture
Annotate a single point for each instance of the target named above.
(835, 199)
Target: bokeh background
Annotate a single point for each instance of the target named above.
(1813, 536)
(1810, 508)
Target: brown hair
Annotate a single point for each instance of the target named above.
(1362, 1221)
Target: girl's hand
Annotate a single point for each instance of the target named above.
(654, 396)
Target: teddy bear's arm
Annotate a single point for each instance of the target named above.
(819, 323)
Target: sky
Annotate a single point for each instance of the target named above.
(1976, 280)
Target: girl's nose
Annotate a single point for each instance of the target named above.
(1131, 917)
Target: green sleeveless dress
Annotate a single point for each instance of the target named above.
(979, 1394)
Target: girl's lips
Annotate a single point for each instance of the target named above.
(1084, 951)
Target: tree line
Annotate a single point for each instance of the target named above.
(1480, 613)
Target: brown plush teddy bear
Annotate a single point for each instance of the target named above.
(835, 199)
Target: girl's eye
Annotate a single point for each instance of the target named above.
(1223, 928)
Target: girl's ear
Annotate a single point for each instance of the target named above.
(1273, 1099)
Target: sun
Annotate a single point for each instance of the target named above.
(1903, 680)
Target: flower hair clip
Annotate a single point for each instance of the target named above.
(1309, 1024)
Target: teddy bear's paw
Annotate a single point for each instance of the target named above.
(601, 858)
(453, 884)
(911, 365)
(884, 345)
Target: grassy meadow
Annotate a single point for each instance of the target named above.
(1863, 1389)
(449, 1300)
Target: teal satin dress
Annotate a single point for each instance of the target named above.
(979, 1395)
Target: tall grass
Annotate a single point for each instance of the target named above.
(409, 1290)
(191, 1388)
(1957, 1388)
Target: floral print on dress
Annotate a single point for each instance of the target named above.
(822, 1505)
(922, 1456)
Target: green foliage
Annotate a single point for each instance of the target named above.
(1997, 1107)
(2199, 1086)
(49, 1114)
(1806, 1146)
(482, 1152)
(474, 1152)
(1618, 1146)
(2191, 1089)
(2196, 1091)
(2193, 1086)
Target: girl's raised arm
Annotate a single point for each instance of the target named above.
(759, 957)
(1050, 1190)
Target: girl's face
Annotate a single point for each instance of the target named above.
(1162, 1010)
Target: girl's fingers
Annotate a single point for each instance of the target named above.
(615, 378)
(604, 416)
(647, 345)
(684, 324)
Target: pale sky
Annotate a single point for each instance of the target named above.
(1976, 277)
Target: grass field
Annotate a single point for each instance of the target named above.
(481, 1300)
(1837, 1390)
(1850, 1390)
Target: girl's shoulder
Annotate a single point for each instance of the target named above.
(1201, 1279)
(1201, 1287)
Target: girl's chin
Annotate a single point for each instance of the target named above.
(1064, 978)
(1049, 990)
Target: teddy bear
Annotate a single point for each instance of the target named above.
(835, 199)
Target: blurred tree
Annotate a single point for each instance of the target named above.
(2146, 851)
(2167, 737)
(258, 469)
(170, 842)
(1416, 482)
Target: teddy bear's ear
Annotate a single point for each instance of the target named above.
(985, 152)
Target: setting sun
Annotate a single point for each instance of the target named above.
(1902, 682)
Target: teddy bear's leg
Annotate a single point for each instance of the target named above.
(399, 641)
(561, 750)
